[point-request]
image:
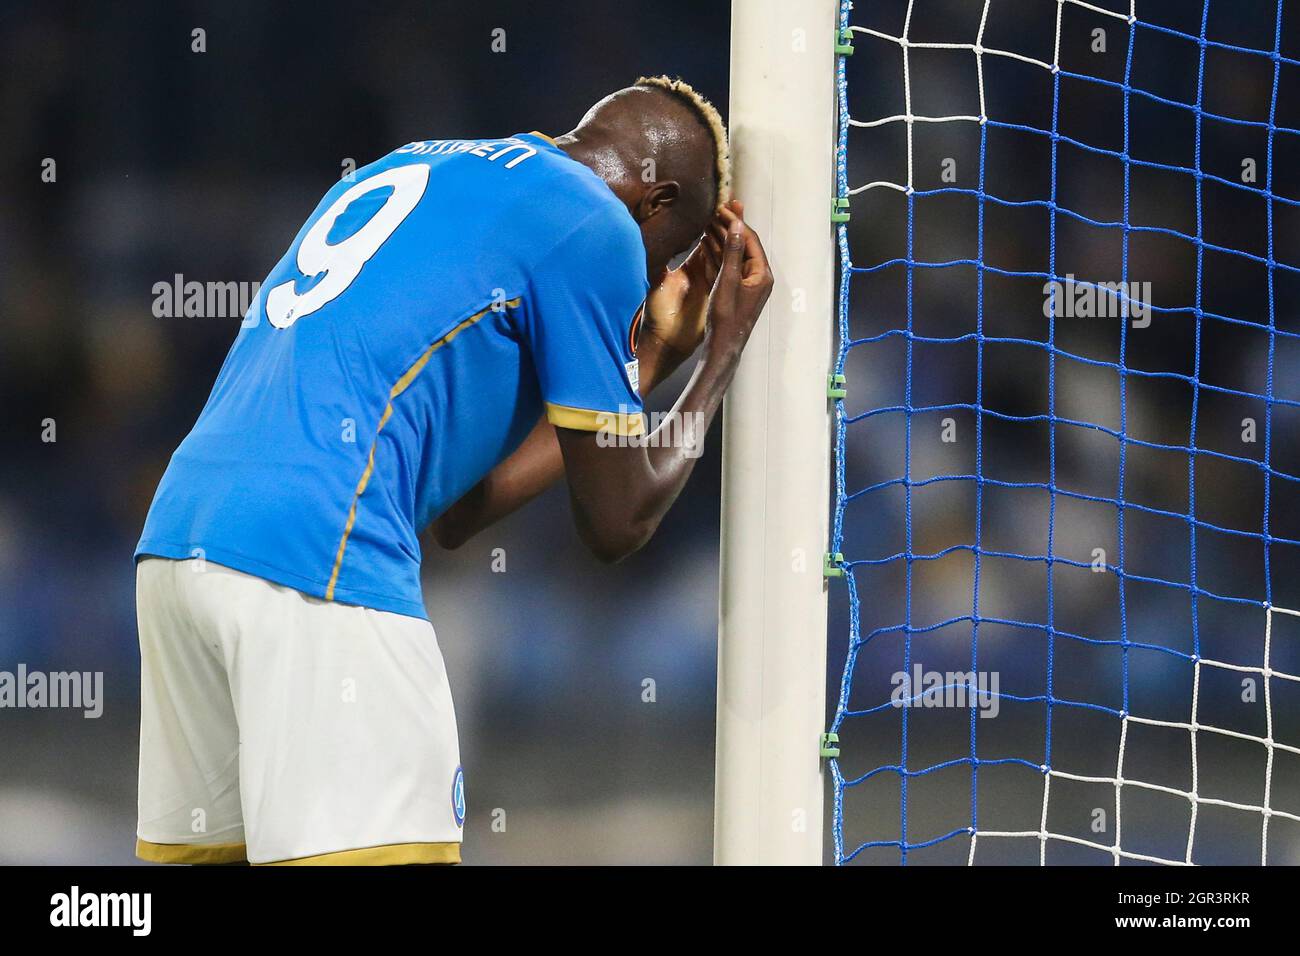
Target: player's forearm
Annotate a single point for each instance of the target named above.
(658, 361)
(620, 491)
(648, 475)
(678, 441)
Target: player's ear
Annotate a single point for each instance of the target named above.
(658, 197)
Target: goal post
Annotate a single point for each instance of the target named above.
(776, 444)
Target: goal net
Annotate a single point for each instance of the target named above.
(1067, 432)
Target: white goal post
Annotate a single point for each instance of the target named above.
(776, 444)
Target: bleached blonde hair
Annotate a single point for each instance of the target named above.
(708, 114)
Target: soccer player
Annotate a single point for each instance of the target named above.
(450, 332)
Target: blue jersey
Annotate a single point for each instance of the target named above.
(412, 335)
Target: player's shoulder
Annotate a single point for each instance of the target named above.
(522, 161)
(551, 202)
(573, 198)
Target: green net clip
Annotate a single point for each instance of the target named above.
(829, 748)
(831, 565)
(840, 210)
(836, 386)
(844, 42)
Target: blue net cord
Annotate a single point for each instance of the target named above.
(914, 623)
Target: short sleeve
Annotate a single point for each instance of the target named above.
(581, 325)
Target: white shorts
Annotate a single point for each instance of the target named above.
(279, 728)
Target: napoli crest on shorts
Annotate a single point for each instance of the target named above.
(458, 797)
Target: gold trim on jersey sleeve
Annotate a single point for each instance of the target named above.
(587, 420)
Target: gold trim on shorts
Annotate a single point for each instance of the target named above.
(191, 852)
(394, 854)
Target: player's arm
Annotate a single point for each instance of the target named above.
(620, 492)
(675, 324)
(535, 465)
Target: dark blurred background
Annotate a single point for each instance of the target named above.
(205, 164)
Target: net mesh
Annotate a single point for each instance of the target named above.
(1065, 465)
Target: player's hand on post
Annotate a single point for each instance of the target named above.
(743, 284)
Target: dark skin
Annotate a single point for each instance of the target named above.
(620, 493)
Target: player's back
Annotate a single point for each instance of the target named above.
(402, 347)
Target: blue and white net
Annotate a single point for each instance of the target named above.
(1067, 464)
